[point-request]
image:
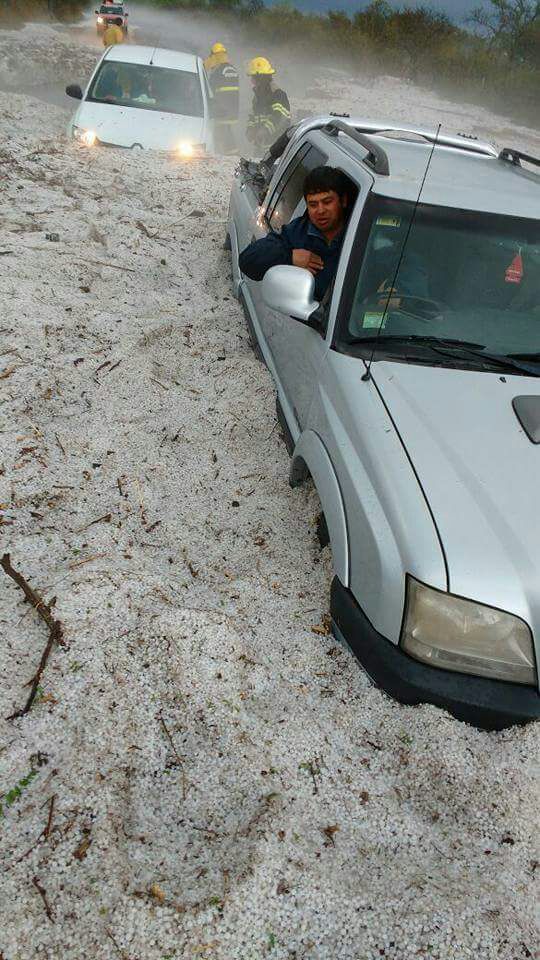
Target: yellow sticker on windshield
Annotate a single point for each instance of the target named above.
(388, 221)
(372, 320)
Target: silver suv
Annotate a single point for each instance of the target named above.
(416, 414)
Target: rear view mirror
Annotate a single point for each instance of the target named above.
(74, 90)
(289, 290)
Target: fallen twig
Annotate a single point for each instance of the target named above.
(145, 230)
(55, 630)
(43, 835)
(104, 519)
(43, 896)
(177, 755)
(79, 563)
(113, 266)
(47, 829)
(162, 385)
(122, 953)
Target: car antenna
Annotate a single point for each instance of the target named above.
(367, 375)
(151, 64)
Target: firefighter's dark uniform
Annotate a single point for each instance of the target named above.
(270, 114)
(225, 84)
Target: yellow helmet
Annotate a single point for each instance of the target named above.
(260, 66)
(219, 48)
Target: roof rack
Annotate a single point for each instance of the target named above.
(376, 158)
(460, 141)
(516, 156)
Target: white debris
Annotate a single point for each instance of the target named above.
(227, 785)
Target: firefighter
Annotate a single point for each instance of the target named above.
(271, 110)
(113, 34)
(225, 84)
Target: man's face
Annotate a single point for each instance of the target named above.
(326, 210)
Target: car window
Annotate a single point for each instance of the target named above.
(108, 8)
(148, 88)
(288, 192)
(461, 275)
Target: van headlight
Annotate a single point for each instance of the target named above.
(456, 634)
(100, 19)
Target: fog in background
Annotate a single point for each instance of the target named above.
(68, 52)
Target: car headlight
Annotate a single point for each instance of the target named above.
(100, 19)
(88, 137)
(456, 634)
(186, 149)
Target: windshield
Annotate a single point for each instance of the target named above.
(109, 9)
(148, 88)
(454, 275)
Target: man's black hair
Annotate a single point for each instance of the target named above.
(323, 179)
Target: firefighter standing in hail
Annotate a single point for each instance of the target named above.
(271, 110)
(114, 33)
(225, 84)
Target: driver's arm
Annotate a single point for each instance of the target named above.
(270, 251)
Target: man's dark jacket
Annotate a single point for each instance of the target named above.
(276, 249)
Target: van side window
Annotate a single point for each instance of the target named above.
(288, 192)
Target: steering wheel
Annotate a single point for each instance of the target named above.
(431, 309)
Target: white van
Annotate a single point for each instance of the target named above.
(146, 97)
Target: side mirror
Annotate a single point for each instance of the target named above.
(96, 11)
(289, 290)
(74, 90)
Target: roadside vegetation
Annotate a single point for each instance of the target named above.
(17, 12)
(493, 60)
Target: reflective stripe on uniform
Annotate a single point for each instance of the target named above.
(279, 108)
(227, 89)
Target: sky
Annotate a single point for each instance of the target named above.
(456, 9)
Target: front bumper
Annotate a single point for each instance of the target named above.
(155, 151)
(490, 704)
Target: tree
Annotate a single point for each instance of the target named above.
(374, 19)
(507, 23)
(252, 7)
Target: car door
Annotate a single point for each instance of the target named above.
(299, 351)
(284, 203)
(251, 216)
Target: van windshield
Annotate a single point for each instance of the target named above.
(459, 276)
(109, 9)
(148, 88)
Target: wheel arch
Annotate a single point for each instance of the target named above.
(311, 459)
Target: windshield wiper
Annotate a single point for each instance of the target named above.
(501, 359)
(412, 338)
(535, 355)
(457, 347)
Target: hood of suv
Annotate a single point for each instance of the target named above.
(480, 473)
(125, 126)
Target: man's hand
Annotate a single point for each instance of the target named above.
(391, 299)
(308, 260)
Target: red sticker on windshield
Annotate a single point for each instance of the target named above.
(514, 273)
